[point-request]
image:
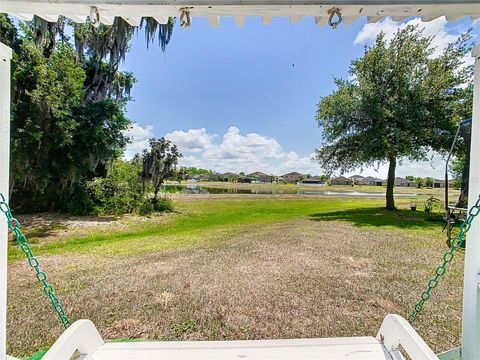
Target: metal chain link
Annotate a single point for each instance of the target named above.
(457, 242)
(14, 226)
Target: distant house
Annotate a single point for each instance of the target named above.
(228, 176)
(315, 180)
(244, 179)
(341, 180)
(356, 179)
(438, 183)
(292, 177)
(372, 181)
(404, 182)
(260, 177)
(215, 177)
(199, 177)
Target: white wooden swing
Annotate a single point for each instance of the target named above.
(395, 332)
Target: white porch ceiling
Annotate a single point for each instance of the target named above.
(133, 10)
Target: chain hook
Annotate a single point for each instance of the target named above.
(334, 12)
(185, 17)
(457, 243)
(95, 16)
(41, 276)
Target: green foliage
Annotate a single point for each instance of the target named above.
(119, 192)
(180, 329)
(194, 171)
(146, 207)
(431, 204)
(428, 182)
(159, 163)
(61, 136)
(399, 104)
(162, 204)
(68, 109)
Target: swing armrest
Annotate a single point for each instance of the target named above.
(81, 336)
(396, 332)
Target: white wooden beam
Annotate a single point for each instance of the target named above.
(429, 18)
(239, 20)
(5, 80)
(133, 20)
(107, 20)
(24, 17)
(294, 19)
(471, 290)
(349, 19)
(77, 18)
(214, 21)
(163, 20)
(49, 18)
(374, 9)
(374, 19)
(454, 17)
(321, 20)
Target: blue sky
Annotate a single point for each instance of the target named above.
(244, 98)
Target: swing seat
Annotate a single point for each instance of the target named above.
(395, 333)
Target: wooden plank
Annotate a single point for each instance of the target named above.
(349, 19)
(78, 19)
(107, 20)
(161, 19)
(294, 19)
(139, 8)
(429, 18)
(239, 20)
(5, 81)
(133, 20)
(24, 17)
(361, 348)
(214, 21)
(49, 18)
(471, 291)
(321, 20)
(374, 19)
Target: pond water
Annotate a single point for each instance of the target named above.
(202, 189)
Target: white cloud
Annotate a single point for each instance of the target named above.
(139, 139)
(194, 140)
(237, 152)
(437, 28)
(251, 152)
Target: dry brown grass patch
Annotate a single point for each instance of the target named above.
(292, 279)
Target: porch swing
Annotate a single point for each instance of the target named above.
(396, 335)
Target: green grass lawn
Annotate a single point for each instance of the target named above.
(194, 222)
(238, 268)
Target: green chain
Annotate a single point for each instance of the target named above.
(457, 242)
(14, 225)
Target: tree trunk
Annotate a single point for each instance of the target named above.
(156, 191)
(391, 182)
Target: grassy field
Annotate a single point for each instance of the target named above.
(236, 267)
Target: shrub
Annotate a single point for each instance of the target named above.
(431, 204)
(162, 204)
(120, 192)
(146, 207)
